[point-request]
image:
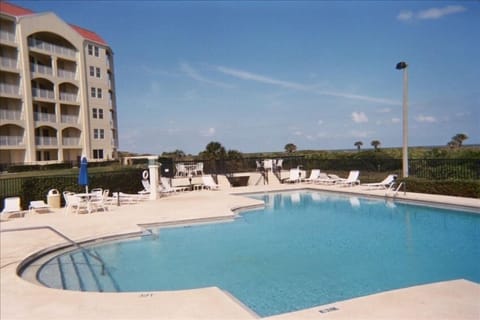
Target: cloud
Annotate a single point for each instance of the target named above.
(359, 117)
(359, 134)
(430, 14)
(210, 132)
(249, 76)
(395, 120)
(427, 119)
(192, 73)
(384, 110)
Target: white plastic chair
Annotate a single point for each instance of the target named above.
(314, 175)
(11, 205)
(209, 183)
(38, 205)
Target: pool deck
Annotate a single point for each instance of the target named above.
(20, 299)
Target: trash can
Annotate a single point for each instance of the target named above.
(53, 198)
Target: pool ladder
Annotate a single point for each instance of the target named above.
(395, 190)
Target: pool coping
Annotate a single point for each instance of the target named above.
(14, 290)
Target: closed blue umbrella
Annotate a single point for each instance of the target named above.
(83, 174)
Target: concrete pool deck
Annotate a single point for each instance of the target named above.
(20, 299)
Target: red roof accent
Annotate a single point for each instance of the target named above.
(17, 11)
(14, 10)
(87, 34)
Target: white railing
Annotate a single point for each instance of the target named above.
(43, 116)
(50, 47)
(42, 93)
(38, 68)
(66, 74)
(70, 141)
(9, 89)
(10, 114)
(66, 118)
(8, 62)
(66, 96)
(11, 140)
(7, 36)
(46, 141)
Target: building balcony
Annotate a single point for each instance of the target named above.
(50, 47)
(71, 141)
(66, 74)
(10, 115)
(42, 93)
(11, 140)
(65, 118)
(38, 68)
(66, 96)
(46, 141)
(7, 36)
(9, 89)
(43, 116)
(8, 63)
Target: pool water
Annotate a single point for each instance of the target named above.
(304, 249)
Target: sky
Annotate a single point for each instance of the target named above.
(256, 75)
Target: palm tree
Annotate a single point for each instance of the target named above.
(290, 148)
(459, 138)
(358, 144)
(214, 151)
(375, 144)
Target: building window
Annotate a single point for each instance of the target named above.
(90, 50)
(94, 113)
(92, 71)
(97, 153)
(96, 92)
(97, 72)
(96, 52)
(100, 113)
(98, 134)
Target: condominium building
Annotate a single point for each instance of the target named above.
(57, 90)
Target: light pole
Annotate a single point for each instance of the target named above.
(403, 66)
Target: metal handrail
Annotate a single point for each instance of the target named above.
(76, 244)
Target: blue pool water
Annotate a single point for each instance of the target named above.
(304, 249)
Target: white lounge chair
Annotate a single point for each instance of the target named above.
(38, 206)
(209, 183)
(294, 176)
(167, 188)
(11, 205)
(351, 180)
(314, 175)
(324, 178)
(386, 183)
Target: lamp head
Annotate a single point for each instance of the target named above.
(401, 65)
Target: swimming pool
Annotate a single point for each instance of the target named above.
(304, 249)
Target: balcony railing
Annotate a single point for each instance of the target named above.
(66, 96)
(38, 68)
(71, 141)
(46, 141)
(11, 140)
(66, 74)
(8, 63)
(10, 114)
(43, 116)
(42, 93)
(9, 89)
(7, 36)
(66, 118)
(50, 47)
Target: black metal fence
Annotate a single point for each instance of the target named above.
(128, 179)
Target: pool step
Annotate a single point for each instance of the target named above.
(77, 271)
